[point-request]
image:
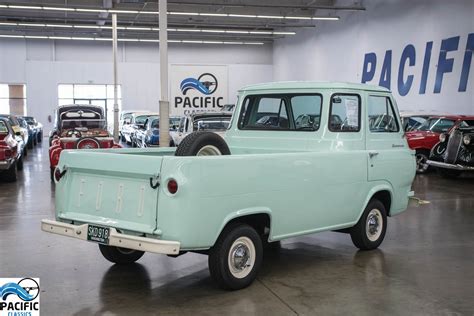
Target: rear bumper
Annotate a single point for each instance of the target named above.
(6, 164)
(444, 165)
(115, 239)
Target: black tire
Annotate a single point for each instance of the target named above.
(40, 137)
(194, 142)
(25, 152)
(30, 143)
(51, 174)
(35, 141)
(120, 255)
(172, 144)
(359, 233)
(449, 173)
(422, 157)
(219, 265)
(19, 164)
(11, 174)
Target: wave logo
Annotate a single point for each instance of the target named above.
(27, 289)
(206, 84)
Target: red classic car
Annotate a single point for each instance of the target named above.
(427, 136)
(78, 127)
(11, 159)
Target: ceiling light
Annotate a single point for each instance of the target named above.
(140, 28)
(171, 12)
(326, 18)
(124, 39)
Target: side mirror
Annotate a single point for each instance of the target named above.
(18, 134)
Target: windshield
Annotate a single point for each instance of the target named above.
(211, 123)
(83, 125)
(437, 125)
(467, 123)
(30, 120)
(174, 121)
(3, 128)
(140, 120)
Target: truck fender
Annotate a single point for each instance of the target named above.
(241, 213)
(385, 186)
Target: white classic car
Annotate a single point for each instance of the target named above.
(216, 122)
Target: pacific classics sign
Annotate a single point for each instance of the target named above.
(197, 88)
(417, 61)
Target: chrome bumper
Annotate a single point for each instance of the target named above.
(6, 164)
(444, 165)
(115, 239)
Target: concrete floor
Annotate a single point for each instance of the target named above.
(424, 266)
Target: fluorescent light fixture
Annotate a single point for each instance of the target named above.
(86, 10)
(326, 18)
(27, 7)
(141, 28)
(214, 14)
(73, 38)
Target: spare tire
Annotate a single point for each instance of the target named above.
(202, 144)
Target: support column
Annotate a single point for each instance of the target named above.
(164, 99)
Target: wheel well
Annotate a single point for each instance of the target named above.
(386, 199)
(258, 221)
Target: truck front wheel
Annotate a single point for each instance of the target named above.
(236, 257)
(369, 231)
(120, 255)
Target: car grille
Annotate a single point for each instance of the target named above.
(454, 142)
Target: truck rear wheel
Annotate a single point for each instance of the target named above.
(236, 257)
(202, 144)
(120, 255)
(369, 231)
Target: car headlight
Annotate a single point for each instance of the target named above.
(442, 137)
(466, 139)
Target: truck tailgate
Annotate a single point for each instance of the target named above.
(109, 189)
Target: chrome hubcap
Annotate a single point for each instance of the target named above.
(374, 225)
(241, 257)
(209, 150)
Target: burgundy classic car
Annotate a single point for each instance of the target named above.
(78, 127)
(11, 159)
(427, 135)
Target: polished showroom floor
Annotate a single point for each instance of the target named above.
(425, 265)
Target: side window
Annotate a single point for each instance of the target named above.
(344, 115)
(306, 111)
(265, 113)
(382, 118)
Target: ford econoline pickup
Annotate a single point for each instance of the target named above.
(298, 158)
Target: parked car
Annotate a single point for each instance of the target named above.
(427, 135)
(130, 122)
(260, 183)
(454, 153)
(37, 127)
(31, 141)
(411, 122)
(148, 134)
(20, 132)
(11, 158)
(217, 122)
(78, 127)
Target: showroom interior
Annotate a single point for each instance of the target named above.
(99, 98)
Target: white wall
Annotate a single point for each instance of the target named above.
(43, 64)
(334, 51)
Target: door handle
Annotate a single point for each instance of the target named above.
(372, 154)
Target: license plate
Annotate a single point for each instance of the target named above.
(98, 234)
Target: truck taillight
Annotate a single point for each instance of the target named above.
(172, 186)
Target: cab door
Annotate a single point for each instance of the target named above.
(388, 155)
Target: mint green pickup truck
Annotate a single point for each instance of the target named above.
(298, 158)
